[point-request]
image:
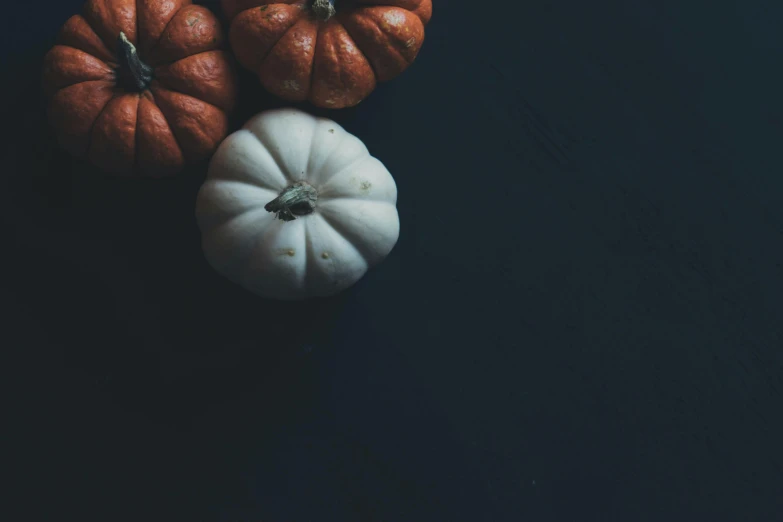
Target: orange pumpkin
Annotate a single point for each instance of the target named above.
(330, 52)
(140, 86)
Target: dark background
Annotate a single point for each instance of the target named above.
(581, 320)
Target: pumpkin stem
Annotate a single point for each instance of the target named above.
(133, 73)
(297, 200)
(323, 9)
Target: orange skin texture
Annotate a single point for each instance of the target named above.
(180, 118)
(333, 63)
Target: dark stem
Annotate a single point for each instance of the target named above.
(133, 73)
(323, 9)
(297, 200)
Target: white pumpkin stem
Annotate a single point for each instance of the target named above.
(134, 73)
(323, 9)
(297, 200)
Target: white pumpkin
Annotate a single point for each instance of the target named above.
(296, 207)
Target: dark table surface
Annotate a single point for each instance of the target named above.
(581, 320)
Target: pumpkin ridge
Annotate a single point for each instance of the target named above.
(275, 157)
(343, 81)
(278, 161)
(261, 61)
(105, 135)
(317, 175)
(313, 129)
(375, 199)
(344, 72)
(154, 51)
(349, 166)
(217, 223)
(92, 127)
(355, 43)
(102, 48)
(174, 134)
(302, 18)
(78, 83)
(168, 120)
(111, 45)
(330, 222)
(154, 47)
(167, 86)
(263, 146)
(136, 155)
(389, 43)
(222, 180)
(266, 55)
(239, 265)
(258, 240)
(108, 66)
(312, 72)
(309, 159)
(308, 175)
(415, 9)
(160, 65)
(77, 143)
(254, 4)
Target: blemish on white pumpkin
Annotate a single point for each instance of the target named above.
(290, 252)
(363, 185)
(331, 131)
(394, 18)
(325, 255)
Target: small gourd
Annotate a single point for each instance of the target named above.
(330, 52)
(296, 207)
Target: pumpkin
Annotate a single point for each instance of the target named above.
(329, 52)
(140, 86)
(296, 207)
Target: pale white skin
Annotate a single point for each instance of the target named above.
(353, 227)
